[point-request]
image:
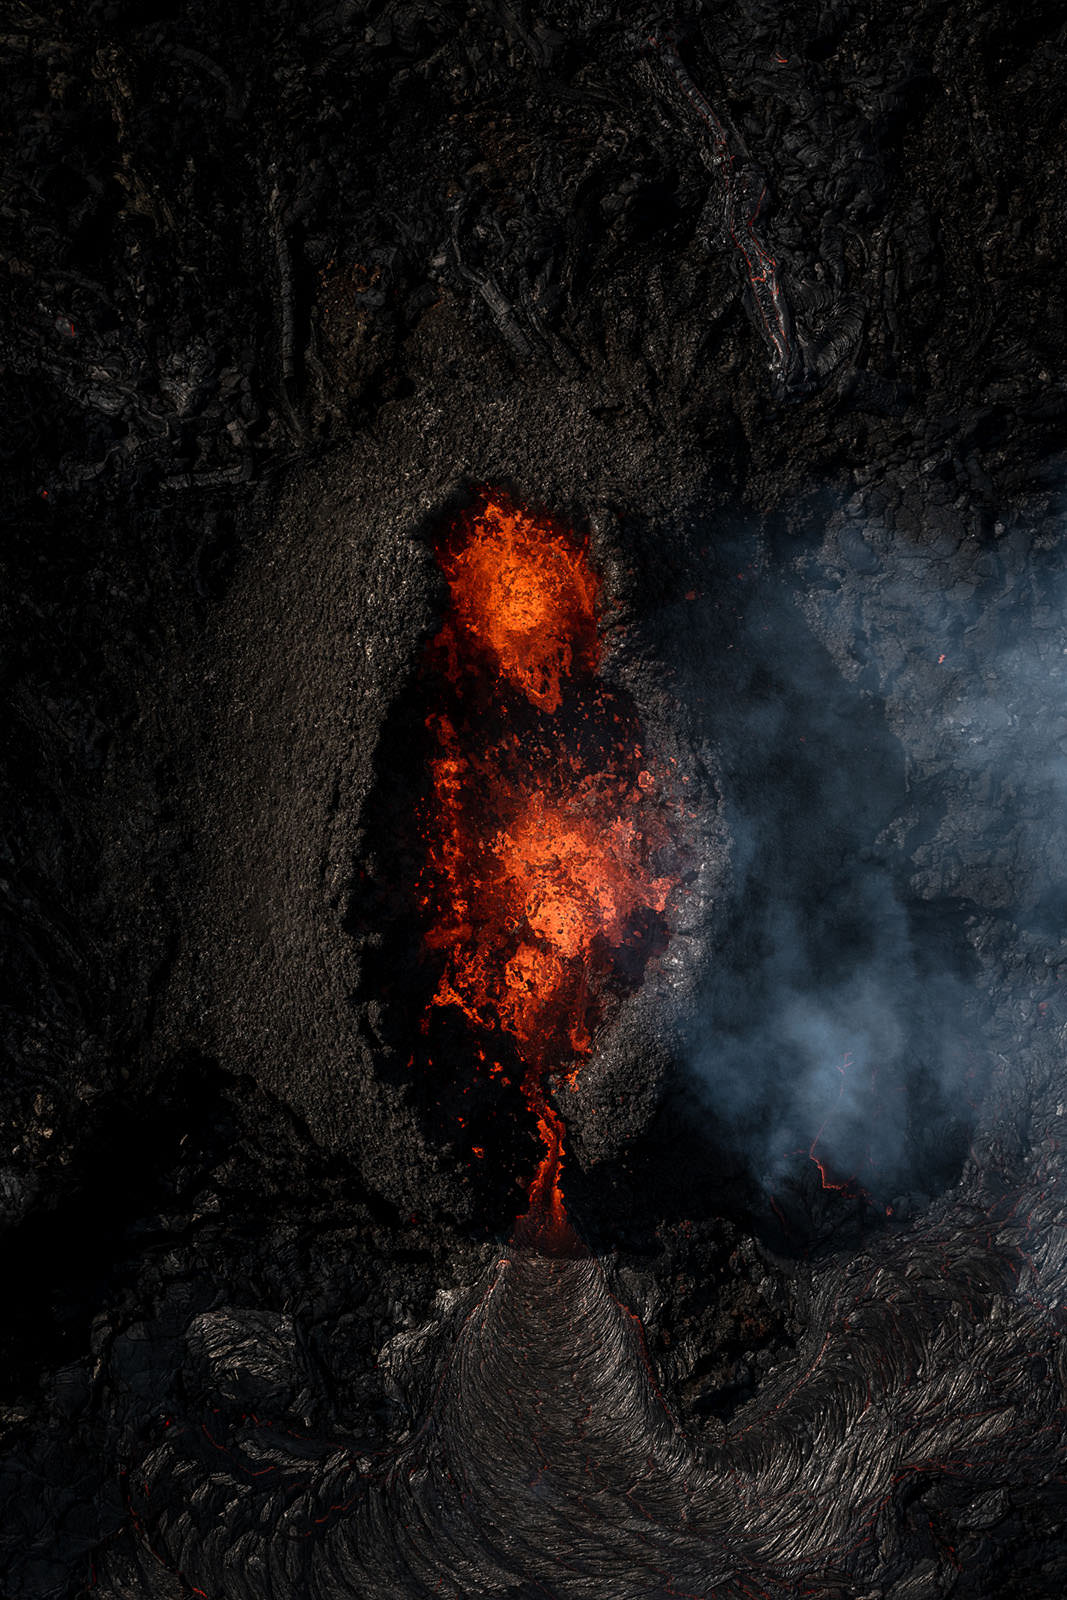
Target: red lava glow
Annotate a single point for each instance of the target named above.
(550, 857)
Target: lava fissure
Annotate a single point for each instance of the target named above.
(550, 852)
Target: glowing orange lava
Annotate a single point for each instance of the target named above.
(549, 856)
(528, 600)
(545, 1224)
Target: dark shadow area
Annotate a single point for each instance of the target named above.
(70, 1258)
(684, 1166)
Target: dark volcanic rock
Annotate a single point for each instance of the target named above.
(773, 307)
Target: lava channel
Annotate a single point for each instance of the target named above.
(550, 856)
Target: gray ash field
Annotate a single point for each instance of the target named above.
(765, 304)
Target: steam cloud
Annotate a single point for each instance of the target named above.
(892, 740)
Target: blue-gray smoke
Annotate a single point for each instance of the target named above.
(889, 720)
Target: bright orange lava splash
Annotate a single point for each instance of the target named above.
(550, 861)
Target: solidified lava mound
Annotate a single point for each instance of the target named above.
(444, 1151)
(548, 1461)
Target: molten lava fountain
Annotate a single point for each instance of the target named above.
(550, 860)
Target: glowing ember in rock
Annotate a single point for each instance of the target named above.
(550, 860)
